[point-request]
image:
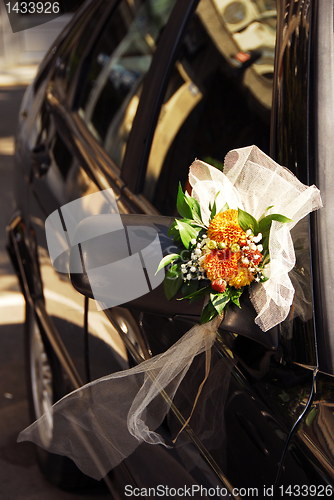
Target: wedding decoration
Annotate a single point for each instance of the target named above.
(235, 233)
(231, 252)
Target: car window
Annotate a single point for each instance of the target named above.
(118, 63)
(218, 96)
(75, 46)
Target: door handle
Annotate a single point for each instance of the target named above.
(40, 160)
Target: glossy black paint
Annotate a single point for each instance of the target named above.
(265, 415)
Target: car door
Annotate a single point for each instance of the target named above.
(104, 105)
(81, 143)
(217, 96)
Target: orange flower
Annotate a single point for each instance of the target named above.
(230, 266)
(221, 264)
(225, 227)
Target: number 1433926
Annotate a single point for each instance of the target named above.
(33, 8)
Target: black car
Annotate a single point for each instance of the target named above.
(130, 94)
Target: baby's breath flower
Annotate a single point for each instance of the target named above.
(260, 248)
(193, 241)
(188, 277)
(257, 238)
(193, 269)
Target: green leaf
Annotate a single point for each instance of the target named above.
(214, 208)
(187, 232)
(198, 295)
(247, 221)
(264, 279)
(234, 295)
(182, 204)
(219, 301)
(173, 281)
(195, 208)
(173, 231)
(190, 287)
(208, 313)
(167, 260)
(264, 213)
(265, 223)
(265, 243)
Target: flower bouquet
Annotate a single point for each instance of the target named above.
(235, 232)
(231, 252)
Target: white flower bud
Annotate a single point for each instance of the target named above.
(257, 238)
(212, 245)
(193, 241)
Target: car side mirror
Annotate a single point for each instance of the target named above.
(118, 257)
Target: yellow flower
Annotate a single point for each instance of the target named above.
(225, 227)
(243, 278)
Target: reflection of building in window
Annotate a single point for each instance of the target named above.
(120, 60)
(172, 117)
(211, 104)
(252, 27)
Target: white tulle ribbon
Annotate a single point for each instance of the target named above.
(103, 422)
(253, 182)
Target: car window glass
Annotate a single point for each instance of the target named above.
(218, 96)
(63, 158)
(75, 46)
(119, 61)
